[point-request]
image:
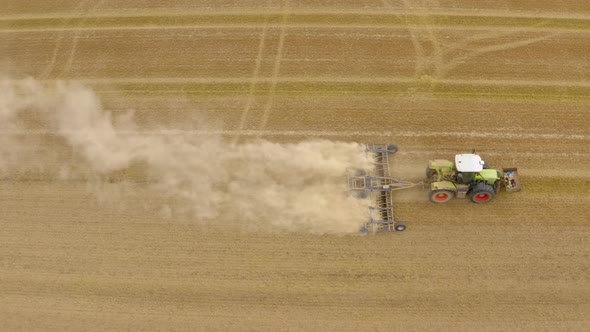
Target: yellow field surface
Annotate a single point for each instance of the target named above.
(434, 77)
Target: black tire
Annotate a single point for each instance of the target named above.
(486, 166)
(400, 226)
(392, 148)
(482, 193)
(441, 196)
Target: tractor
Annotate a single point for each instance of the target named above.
(469, 176)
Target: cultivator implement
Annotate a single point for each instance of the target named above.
(378, 185)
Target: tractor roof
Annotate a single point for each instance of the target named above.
(468, 162)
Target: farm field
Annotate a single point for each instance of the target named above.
(80, 251)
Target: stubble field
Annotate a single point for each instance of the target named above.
(434, 77)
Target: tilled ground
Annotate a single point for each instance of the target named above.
(435, 78)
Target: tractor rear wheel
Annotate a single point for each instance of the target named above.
(482, 193)
(441, 196)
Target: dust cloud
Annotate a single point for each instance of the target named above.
(61, 130)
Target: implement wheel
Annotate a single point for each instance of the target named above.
(400, 226)
(392, 148)
(441, 196)
(482, 193)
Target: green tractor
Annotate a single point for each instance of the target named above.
(469, 176)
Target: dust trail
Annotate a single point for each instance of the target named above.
(295, 187)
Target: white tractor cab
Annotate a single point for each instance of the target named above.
(469, 162)
(469, 176)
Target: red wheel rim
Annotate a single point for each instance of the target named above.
(441, 197)
(482, 197)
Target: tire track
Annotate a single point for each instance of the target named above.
(440, 67)
(437, 58)
(418, 48)
(74, 46)
(276, 67)
(253, 83)
(51, 66)
(454, 62)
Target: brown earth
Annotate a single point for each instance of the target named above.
(517, 92)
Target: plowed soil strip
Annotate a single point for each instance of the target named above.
(327, 133)
(295, 19)
(339, 88)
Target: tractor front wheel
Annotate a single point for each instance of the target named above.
(482, 193)
(441, 196)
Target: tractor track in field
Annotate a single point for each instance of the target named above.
(80, 8)
(253, 82)
(276, 66)
(295, 19)
(75, 39)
